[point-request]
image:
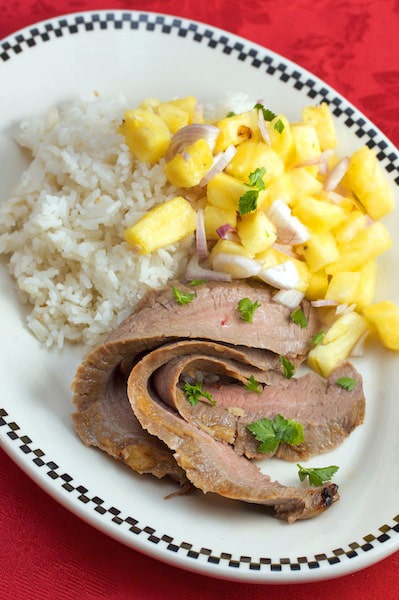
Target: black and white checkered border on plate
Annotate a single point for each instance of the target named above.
(220, 41)
(114, 515)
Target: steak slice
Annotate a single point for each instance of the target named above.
(211, 465)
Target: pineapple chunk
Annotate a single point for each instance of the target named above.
(365, 246)
(281, 138)
(187, 168)
(256, 232)
(366, 179)
(317, 214)
(252, 155)
(225, 191)
(273, 257)
(337, 343)
(146, 134)
(319, 251)
(304, 182)
(354, 222)
(215, 217)
(384, 316)
(281, 188)
(162, 225)
(343, 287)
(237, 129)
(317, 286)
(366, 289)
(229, 247)
(306, 145)
(177, 113)
(321, 119)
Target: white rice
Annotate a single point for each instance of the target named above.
(63, 226)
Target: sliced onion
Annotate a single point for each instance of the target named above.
(285, 249)
(224, 230)
(358, 348)
(290, 298)
(344, 309)
(263, 127)
(336, 174)
(200, 236)
(283, 276)
(220, 162)
(323, 302)
(189, 134)
(238, 266)
(335, 198)
(290, 230)
(196, 271)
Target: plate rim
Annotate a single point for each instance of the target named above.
(277, 573)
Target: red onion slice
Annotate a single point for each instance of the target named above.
(323, 302)
(220, 162)
(336, 174)
(196, 271)
(224, 230)
(290, 298)
(188, 135)
(200, 236)
(263, 127)
(344, 309)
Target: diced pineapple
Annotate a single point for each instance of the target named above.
(256, 232)
(317, 286)
(354, 222)
(252, 155)
(281, 188)
(229, 247)
(366, 179)
(187, 168)
(146, 134)
(281, 138)
(304, 182)
(343, 287)
(321, 119)
(150, 104)
(273, 257)
(384, 316)
(164, 224)
(306, 145)
(367, 285)
(319, 251)
(337, 343)
(318, 214)
(177, 113)
(225, 191)
(215, 217)
(237, 129)
(365, 246)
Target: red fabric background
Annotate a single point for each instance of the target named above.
(48, 553)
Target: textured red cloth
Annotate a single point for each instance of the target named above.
(48, 553)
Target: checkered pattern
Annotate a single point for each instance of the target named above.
(113, 514)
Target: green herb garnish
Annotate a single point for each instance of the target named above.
(183, 297)
(195, 282)
(268, 115)
(272, 433)
(279, 126)
(248, 202)
(318, 338)
(288, 367)
(231, 113)
(255, 178)
(194, 392)
(253, 385)
(247, 309)
(347, 383)
(317, 476)
(298, 317)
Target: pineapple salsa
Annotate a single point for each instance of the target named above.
(271, 199)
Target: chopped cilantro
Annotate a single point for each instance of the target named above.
(194, 392)
(183, 297)
(298, 317)
(272, 433)
(248, 202)
(279, 126)
(231, 113)
(255, 178)
(253, 385)
(195, 282)
(317, 476)
(268, 115)
(247, 309)
(347, 383)
(318, 338)
(288, 367)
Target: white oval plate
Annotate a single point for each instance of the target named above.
(140, 55)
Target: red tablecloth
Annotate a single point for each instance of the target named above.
(46, 552)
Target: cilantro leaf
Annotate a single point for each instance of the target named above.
(248, 202)
(231, 113)
(318, 338)
(279, 126)
(183, 297)
(195, 282)
(268, 115)
(194, 392)
(247, 309)
(253, 385)
(317, 476)
(298, 317)
(288, 367)
(255, 178)
(347, 383)
(273, 433)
